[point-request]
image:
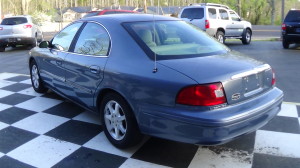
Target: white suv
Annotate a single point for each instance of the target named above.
(218, 21)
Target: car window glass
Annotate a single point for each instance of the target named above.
(14, 21)
(93, 40)
(94, 13)
(223, 14)
(212, 13)
(293, 16)
(193, 13)
(234, 16)
(174, 38)
(63, 39)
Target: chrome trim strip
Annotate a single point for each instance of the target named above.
(251, 72)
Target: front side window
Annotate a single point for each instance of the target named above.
(193, 13)
(212, 13)
(223, 14)
(63, 39)
(234, 16)
(93, 40)
(173, 39)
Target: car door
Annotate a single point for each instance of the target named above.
(52, 68)
(224, 21)
(236, 26)
(85, 65)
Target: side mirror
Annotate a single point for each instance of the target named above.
(44, 44)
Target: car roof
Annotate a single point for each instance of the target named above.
(129, 18)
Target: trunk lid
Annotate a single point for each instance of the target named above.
(242, 77)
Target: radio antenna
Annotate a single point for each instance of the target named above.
(153, 27)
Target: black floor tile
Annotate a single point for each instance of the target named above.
(18, 78)
(168, 153)
(11, 138)
(242, 143)
(270, 161)
(7, 162)
(283, 124)
(65, 109)
(17, 87)
(85, 157)
(75, 131)
(14, 114)
(15, 99)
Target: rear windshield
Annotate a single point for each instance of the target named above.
(14, 21)
(193, 13)
(293, 16)
(91, 14)
(173, 39)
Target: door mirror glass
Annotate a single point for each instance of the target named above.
(44, 44)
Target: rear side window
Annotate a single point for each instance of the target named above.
(14, 21)
(212, 13)
(93, 40)
(193, 13)
(223, 14)
(293, 16)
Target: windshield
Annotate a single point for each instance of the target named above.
(293, 16)
(171, 39)
(14, 21)
(94, 13)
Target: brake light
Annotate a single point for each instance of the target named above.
(283, 26)
(202, 95)
(1, 28)
(206, 24)
(273, 78)
(28, 26)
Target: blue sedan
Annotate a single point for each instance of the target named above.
(158, 76)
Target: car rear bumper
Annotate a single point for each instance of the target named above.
(292, 38)
(211, 127)
(17, 41)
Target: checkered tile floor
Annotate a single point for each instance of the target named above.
(47, 131)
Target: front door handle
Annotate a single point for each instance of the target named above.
(94, 69)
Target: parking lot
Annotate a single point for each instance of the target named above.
(45, 130)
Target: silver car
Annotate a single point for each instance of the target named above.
(19, 30)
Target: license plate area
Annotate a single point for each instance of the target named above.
(12, 40)
(252, 84)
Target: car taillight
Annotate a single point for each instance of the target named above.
(283, 26)
(202, 95)
(206, 24)
(273, 78)
(28, 26)
(1, 28)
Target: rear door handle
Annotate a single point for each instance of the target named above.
(94, 69)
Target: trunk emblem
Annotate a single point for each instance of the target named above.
(236, 96)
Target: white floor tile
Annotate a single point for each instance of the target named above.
(89, 117)
(28, 81)
(40, 123)
(1, 154)
(206, 158)
(43, 151)
(30, 91)
(6, 75)
(3, 125)
(4, 83)
(4, 93)
(4, 106)
(39, 104)
(288, 110)
(277, 143)
(101, 143)
(130, 163)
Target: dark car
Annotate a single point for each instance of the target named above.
(291, 28)
(107, 12)
(156, 75)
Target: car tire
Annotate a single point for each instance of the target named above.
(36, 80)
(2, 48)
(220, 37)
(118, 120)
(246, 39)
(285, 44)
